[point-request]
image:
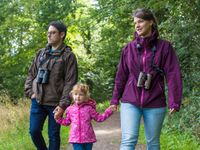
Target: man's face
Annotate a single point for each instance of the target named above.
(54, 36)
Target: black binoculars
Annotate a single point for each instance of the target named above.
(144, 79)
(43, 76)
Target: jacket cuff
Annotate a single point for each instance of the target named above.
(64, 105)
(114, 102)
(175, 106)
(108, 110)
(59, 120)
(30, 94)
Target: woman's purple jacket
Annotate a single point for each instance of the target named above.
(135, 59)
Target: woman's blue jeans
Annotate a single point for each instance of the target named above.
(130, 124)
(38, 115)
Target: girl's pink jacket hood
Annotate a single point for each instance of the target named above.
(80, 117)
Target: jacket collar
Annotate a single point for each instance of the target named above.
(57, 52)
(147, 42)
(90, 102)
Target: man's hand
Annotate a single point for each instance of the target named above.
(33, 96)
(172, 111)
(58, 112)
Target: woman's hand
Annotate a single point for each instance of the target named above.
(172, 111)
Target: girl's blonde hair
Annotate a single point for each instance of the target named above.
(81, 87)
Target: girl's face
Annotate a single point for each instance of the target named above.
(143, 27)
(79, 97)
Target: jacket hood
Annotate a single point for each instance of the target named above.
(148, 42)
(90, 102)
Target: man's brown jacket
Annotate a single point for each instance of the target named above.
(63, 74)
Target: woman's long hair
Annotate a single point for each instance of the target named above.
(146, 14)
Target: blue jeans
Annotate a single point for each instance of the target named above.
(130, 124)
(38, 115)
(82, 146)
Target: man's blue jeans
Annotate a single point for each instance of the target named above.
(38, 115)
(130, 124)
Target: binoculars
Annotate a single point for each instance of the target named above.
(43, 76)
(144, 79)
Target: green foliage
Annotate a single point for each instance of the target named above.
(50, 10)
(175, 140)
(183, 30)
(188, 119)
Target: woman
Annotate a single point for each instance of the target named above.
(139, 84)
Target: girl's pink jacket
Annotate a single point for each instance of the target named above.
(80, 117)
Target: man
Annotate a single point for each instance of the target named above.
(50, 79)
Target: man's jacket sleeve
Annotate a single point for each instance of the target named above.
(31, 76)
(71, 77)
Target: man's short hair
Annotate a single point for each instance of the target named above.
(60, 26)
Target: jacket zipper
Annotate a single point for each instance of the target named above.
(144, 69)
(79, 122)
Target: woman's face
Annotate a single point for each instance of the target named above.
(143, 27)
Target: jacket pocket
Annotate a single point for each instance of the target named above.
(131, 92)
(156, 92)
(34, 86)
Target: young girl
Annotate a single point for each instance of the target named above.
(80, 115)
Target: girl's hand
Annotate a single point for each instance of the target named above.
(113, 107)
(172, 111)
(56, 117)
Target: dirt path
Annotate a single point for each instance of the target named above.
(109, 134)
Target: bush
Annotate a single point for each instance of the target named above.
(188, 119)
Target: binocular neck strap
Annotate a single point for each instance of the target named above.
(43, 58)
(46, 58)
(155, 68)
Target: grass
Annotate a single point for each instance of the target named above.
(14, 124)
(173, 140)
(177, 140)
(14, 127)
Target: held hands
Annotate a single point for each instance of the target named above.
(58, 112)
(113, 107)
